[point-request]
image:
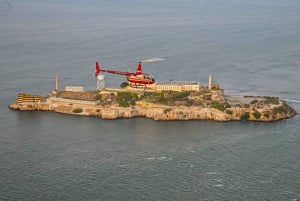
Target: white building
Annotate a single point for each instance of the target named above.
(178, 86)
(74, 88)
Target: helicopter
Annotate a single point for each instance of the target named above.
(134, 78)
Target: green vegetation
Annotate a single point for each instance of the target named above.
(245, 116)
(256, 114)
(254, 101)
(77, 110)
(168, 97)
(125, 99)
(271, 100)
(58, 94)
(98, 97)
(167, 110)
(124, 84)
(219, 106)
(207, 96)
(284, 108)
(267, 115)
(247, 105)
(229, 112)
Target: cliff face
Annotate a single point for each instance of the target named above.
(252, 112)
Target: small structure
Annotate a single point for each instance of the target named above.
(56, 83)
(100, 82)
(209, 83)
(74, 88)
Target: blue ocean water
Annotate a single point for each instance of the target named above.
(249, 47)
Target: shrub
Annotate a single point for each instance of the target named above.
(245, 116)
(77, 110)
(256, 114)
(267, 115)
(254, 101)
(124, 84)
(98, 97)
(229, 112)
(207, 96)
(219, 106)
(167, 110)
(125, 99)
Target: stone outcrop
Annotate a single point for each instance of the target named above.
(253, 110)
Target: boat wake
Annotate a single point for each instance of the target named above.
(291, 100)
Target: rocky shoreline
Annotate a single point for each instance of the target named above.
(218, 108)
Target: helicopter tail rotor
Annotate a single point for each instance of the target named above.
(97, 69)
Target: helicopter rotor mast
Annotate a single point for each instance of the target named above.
(139, 65)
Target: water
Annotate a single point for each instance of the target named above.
(250, 48)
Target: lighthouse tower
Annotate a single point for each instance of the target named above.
(56, 83)
(209, 83)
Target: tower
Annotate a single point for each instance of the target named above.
(209, 83)
(56, 83)
(100, 82)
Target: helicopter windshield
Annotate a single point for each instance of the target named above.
(150, 76)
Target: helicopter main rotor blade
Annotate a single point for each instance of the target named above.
(151, 60)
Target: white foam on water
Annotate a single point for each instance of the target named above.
(219, 185)
(211, 173)
(266, 181)
(291, 100)
(219, 180)
(161, 158)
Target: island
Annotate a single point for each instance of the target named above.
(205, 103)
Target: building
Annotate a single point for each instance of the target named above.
(177, 86)
(74, 88)
(28, 98)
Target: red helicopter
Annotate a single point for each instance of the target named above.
(134, 78)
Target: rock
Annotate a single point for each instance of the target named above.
(109, 113)
(243, 109)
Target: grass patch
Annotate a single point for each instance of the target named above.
(167, 97)
(271, 100)
(284, 108)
